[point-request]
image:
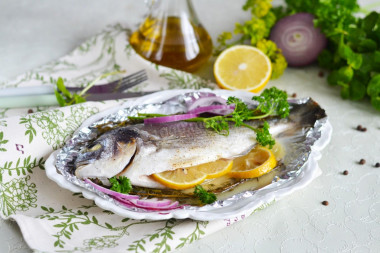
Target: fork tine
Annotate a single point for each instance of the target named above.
(140, 77)
(115, 86)
(127, 79)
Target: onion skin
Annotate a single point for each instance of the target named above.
(299, 40)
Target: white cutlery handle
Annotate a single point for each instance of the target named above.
(28, 101)
(27, 91)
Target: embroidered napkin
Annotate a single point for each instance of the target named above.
(53, 219)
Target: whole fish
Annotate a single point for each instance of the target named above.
(137, 151)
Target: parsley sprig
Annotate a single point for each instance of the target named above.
(271, 102)
(121, 184)
(65, 97)
(203, 195)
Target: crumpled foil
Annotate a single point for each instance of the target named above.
(306, 115)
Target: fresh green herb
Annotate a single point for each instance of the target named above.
(65, 97)
(204, 196)
(264, 137)
(353, 52)
(271, 102)
(121, 184)
(256, 32)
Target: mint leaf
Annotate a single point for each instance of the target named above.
(342, 75)
(357, 89)
(373, 90)
(345, 74)
(366, 45)
(353, 59)
(369, 22)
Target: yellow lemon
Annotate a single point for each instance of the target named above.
(242, 68)
(255, 164)
(185, 178)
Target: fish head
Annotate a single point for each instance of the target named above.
(108, 155)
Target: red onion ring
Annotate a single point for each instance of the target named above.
(110, 192)
(298, 39)
(170, 118)
(149, 204)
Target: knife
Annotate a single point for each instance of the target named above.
(51, 100)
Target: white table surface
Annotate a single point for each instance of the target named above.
(33, 33)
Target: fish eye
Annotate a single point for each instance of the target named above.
(94, 147)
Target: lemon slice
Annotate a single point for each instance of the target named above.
(255, 164)
(185, 178)
(216, 169)
(242, 68)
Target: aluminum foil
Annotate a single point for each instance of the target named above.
(306, 115)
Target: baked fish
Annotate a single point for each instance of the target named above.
(138, 151)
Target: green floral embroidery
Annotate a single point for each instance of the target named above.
(22, 168)
(55, 127)
(2, 115)
(2, 141)
(79, 113)
(100, 243)
(181, 80)
(129, 51)
(30, 130)
(52, 132)
(106, 40)
(18, 194)
(108, 52)
(162, 235)
(88, 45)
(70, 221)
(195, 235)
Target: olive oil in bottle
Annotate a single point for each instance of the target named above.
(172, 36)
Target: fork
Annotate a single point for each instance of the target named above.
(118, 85)
(115, 86)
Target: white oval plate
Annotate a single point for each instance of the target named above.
(245, 206)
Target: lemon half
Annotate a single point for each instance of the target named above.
(242, 68)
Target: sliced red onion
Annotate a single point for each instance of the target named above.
(216, 109)
(149, 204)
(298, 39)
(207, 101)
(170, 118)
(110, 192)
(124, 202)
